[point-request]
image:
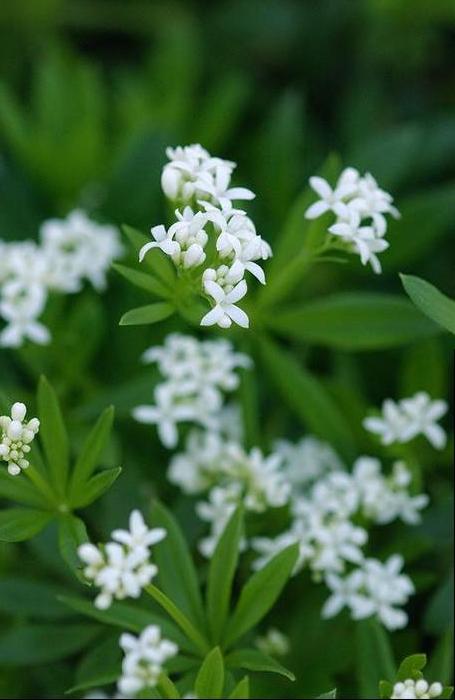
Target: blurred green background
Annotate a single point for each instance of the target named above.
(91, 92)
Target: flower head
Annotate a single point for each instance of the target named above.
(16, 434)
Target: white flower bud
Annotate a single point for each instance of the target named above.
(194, 256)
(170, 181)
(14, 430)
(18, 411)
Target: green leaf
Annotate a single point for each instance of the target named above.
(95, 487)
(176, 573)
(127, 617)
(255, 660)
(91, 452)
(143, 315)
(36, 599)
(385, 689)
(100, 666)
(53, 434)
(441, 664)
(354, 322)
(18, 488)
(221, 573)
(143, 280)
(242, 689)
(260, 593)
(210, 679)
(179, 617)
(308, 398)
(411, 667)
(38, 644)
(71, 534)
(431, 301)
(374, 660)
(18, 524)
(330, 694)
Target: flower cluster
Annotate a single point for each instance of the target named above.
(326, 504)
(196, 374)
(403, 421)
(15, 438)
(219, 465)
(144, 659)
(374, 588)
(70, 251)
(122, 567)
(417, 689)
(210, 232)
(360, 207)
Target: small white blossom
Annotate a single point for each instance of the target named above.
(225, 310)
(273, 643)
(122, 568)
(360, 207)
(196, 373)
(144, 659)
(403, 421)
(376, 588)
(16, 434)
(416, 689)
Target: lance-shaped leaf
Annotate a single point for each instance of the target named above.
(143, 280)
(374, 656)
(176, 573)
(92, 451)
(307, 396)
(95, 487)
(210, 679)
(255, 660)
(71, 534)
(19, 524)
(18, 488)
(260, 593)
(32, 644)
(431, 301)
(53, 434)
(144, 315)
(353, 321)
(242, 689)
(221, 573)
(411, 667)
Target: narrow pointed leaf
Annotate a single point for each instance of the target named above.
(143, 315)
(92, 450)
(143, 280)
(260, 593)
(53, 434)
(71, 534)
(19, 524)
(221, 573)
(95, 487)
(308, 398)
(210, 679)
(242, 689)
(18, 488)
(375, 660)
(255, 660)
(433, 303)
(176, 573)
(410, 667)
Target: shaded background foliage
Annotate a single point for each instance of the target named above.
(91, 93)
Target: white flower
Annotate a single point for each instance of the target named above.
(216, 185)
(169, 409)
(196, 373)
(307, 460)
(346, 592)
(225, 310)
(20, 306)
(330, 199)
(162, 241)
(144, 659)
(273, 643)
(15, 437)
(416, 689)
(122, 568)
(403, 421)
(360, 207)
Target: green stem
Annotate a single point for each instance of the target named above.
(185, 625)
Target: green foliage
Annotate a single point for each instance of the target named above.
(431, 301)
